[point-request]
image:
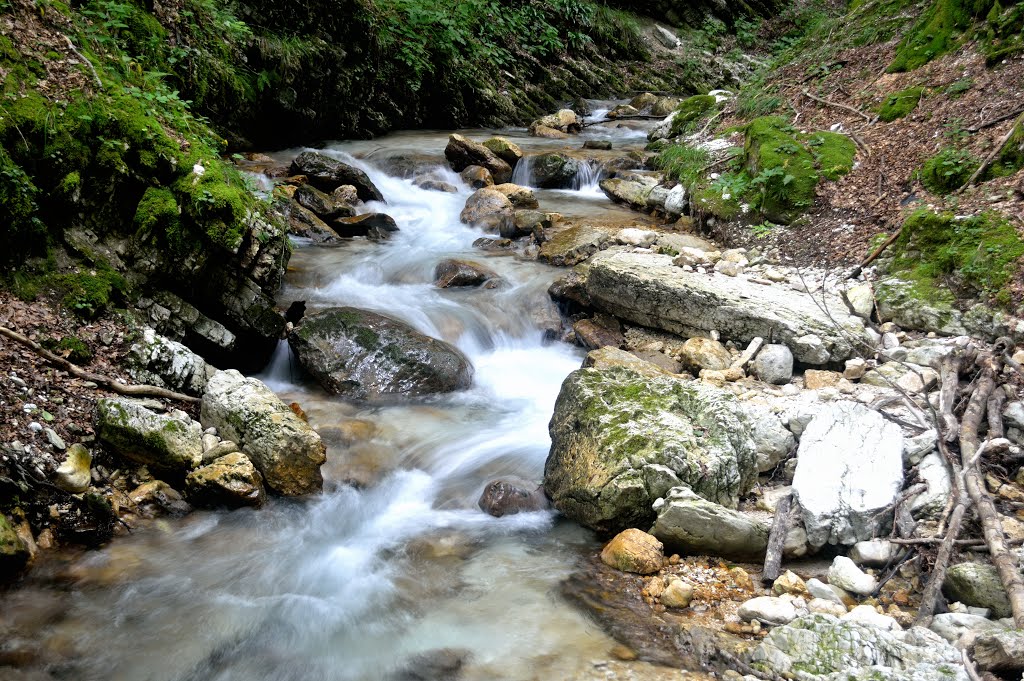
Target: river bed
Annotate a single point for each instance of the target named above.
(394, 561)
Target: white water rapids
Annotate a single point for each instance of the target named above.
(353, 583)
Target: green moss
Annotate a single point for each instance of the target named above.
(89, 293)
(157, 212)
(71, 347)
(782, 168)
(948, 170)
(834, 153)
(717, 202)
(975, 256)
(937, 32)
(690, 113)
(900, 104)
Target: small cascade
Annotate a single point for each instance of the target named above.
(522, 174)
(588, 177)
(282, 372)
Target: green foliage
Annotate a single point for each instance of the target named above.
(1003, 33)
(683, 163)
(900, 104)
(781, 167)
(948, 170)
(937, 32)
(978, 255)
(956, 89)
(755, 101)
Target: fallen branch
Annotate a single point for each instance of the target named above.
(71, 46)
(996, 121)
(875, 253)
(777, 540)
(949, 377)
(992, 155)
(1006, 564)
(838, 106)
(109, 383)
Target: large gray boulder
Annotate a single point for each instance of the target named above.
(168, 442)
(285, 450)
(621, 439)
(849, 469)
(648, 289)
(463, 153)
(160, 361)
(821, 647)
(365, 355)
(978, 585)
(327, 174)
(554, 171)
(690, 525)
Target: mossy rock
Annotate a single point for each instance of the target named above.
(781, 166)
(976, 256)
(620, 439)
(948, 170)
(89, 293)
(690, 112)
(14, 555)
(937, 32)
(833, 153)
(900, 104)
(75, 349)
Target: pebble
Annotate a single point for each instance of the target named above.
(35, 427)
(845, 574)
(18, 382)
(29, 408)
(54, 439)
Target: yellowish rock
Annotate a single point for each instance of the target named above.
(634, 550)
(815, 379)
(789, 583)
(677, 594)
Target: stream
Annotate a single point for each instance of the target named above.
(393, 567)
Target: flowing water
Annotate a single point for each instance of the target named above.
(359, 581)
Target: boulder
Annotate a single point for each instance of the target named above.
(14, 553)
(1001, 651)
(634, 550)
(452, 272)
(704, 353)
(868, 616)
(477, 177)
(592, 335)
(324, 206)
(488, 209)
(507, 151)
(521, 197)
(565, 120)
(977, 585)
(664, 106)
(607, 357)
(230, 480)
(616, 435)
(462, 153)
(849, 469)
(633, 192)
(508, 497)
(648, 289)
(873, 553)
(820, 647)
(952, 626)
(304, 223)
(529, 222)
(598, 145)
(768, 610)
(155, 360)
(156, 498)
(545, 132)
(644, 100)
(772, 440)
(73, 475)
(573, 245)
(677, 594)
(845, 574)
(365, 355)
(282, 446)
(623, 110)
(168, 442)
(554, 171)
(689, 524)
(374, 226)
(327, 174)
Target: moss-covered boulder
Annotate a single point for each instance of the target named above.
(783, 166)
(977, 585)
(937, 31)
(463, 153)
(945, 257)
(690, 112)
(507, 151)
(554, 171)
(14, 555)
(621, 439)
(900, 104)
(169, 442)
(365, 355)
